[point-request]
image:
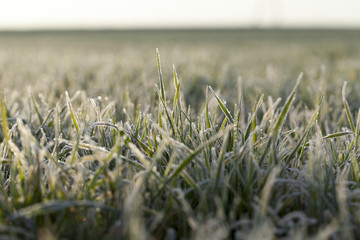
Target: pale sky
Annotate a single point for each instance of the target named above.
(37, 14)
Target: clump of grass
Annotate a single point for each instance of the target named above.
(83, 173)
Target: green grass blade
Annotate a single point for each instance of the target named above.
(162, 88)
(337, 134)
(72, 113)
(177, 90)
(36, 108)
(170, 119)
(189, 180)
(221, 160)
(5, 126)
(347, 108)
(266, 191)
(222, 106)
(357, 134)
(303, 139)
(140, 156)
(287, 106)
(189, 158)
(208, 125)
(252, 122)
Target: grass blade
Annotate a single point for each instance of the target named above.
(287, 106)
(347, 108)
(338, 134)
(188, 159)
(36, 109)
(72, 113)
(5, 126)
(252, 122)
(223, 107)
(304, 138)
(162, 88)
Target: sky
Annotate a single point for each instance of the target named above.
(51, 14)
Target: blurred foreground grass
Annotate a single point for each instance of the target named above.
(91, 148)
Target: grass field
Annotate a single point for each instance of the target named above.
(226, 134)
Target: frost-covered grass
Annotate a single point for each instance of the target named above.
(92, 150)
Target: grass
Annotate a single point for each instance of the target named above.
(141, 164)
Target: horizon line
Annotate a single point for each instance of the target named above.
(167, 28)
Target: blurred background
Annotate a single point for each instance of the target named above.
(91, 14)
(107, 48)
